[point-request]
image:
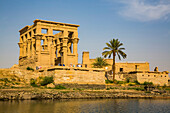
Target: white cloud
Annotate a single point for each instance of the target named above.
(143, 10)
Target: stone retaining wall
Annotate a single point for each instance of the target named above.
(75, 75)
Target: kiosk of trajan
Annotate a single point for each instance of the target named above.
(48, 43)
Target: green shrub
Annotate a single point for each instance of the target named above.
(124, 88)
(108, 81)
(167, 89)
(113, 88)
(107, 88)
(147, 92)
(164, 86)
(136, 82)
(46, 80)
(5, 80)
(131, 84)
(120, 82)
(127, 80)
(147, 83)
(60, 87)
(29, 68)
(33, 82)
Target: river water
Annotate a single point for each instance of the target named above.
(87, 106)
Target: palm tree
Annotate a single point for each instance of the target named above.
(114, 48)
(100, 62)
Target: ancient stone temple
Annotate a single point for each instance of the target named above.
(48, 43)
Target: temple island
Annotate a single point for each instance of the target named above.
(51, 48)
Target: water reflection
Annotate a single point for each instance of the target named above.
(86, 106)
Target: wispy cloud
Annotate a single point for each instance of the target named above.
(145, 10)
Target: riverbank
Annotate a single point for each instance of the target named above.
(38, 94)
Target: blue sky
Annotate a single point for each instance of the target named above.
(142, 25)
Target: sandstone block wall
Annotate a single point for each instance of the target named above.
(124, 67)
(155, 78)
(77, 75)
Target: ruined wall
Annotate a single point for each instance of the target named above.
(128, 67)
(156, 78)
(125, 67)
(27, 62)
(77, 75)
(85, 60)
(124, 77)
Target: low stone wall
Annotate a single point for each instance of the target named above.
(158, 78)
(76, 75)
(123, 77)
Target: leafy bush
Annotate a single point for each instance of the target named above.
(164, 86)
(113, 88)
(167, 89)
(107, 88)
(136, 82)
(147, 83)
(147, 92)
(29, 68)
(46, 80)
(131, 84)
(59, 87)
(120, 82)
(33, 82)
(127, 80)
(108, 81)
(5, 80)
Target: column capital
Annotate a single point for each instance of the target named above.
(20, 44)
(49, 38)
(38, 36)
(29, 40)
(75, 40)
(49, 35)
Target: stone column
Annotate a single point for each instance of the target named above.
(53, 56)
(21, 49)
(24, 49)
(28, 48)
(32, 47)
(58, 48)
(64, 46)
(24, 46)
(75, 42)
(49, 44)
(38, 49)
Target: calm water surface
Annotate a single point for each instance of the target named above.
(87, 106)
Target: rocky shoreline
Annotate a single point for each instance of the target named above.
(38, 94)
